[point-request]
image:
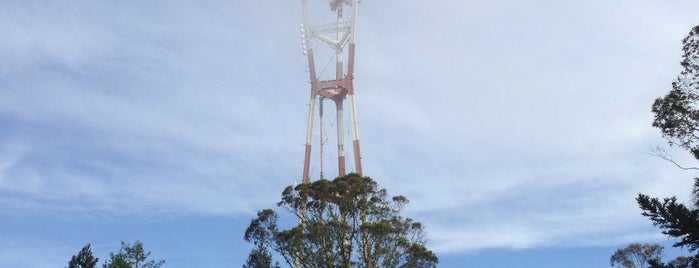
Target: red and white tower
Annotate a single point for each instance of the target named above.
(338, 38)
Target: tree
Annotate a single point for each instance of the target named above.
(84, 259)
(679, 262)
(677, 113)
(116, 261)
(676, 220)
(260, 258)
(677, 116)
(346, 222)
(132, 256)
(636, 255)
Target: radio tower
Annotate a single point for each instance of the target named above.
(338, 37)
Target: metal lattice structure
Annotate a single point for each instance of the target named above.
(338, 37)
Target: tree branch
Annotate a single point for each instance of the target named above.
(662, 154)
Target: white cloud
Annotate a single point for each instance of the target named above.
(506, 124)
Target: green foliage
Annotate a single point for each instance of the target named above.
(682, 261)
(346, 222)
(260, 258)
(116, 261)
(84, 259)
(636, 255)
(675, 219)
(679, 262)
(677, 116)
(132, 256)
(677, 113)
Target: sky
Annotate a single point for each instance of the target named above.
(519, 130)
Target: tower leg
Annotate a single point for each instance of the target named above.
(355, 135)
(321, 155)
(340, 139)
(309, 135)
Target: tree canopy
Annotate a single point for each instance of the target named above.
(677, 113)
(260, 257)
(636, 255)
(676, 220)
(346, 222)
(132, 256)
(84, 259)
(677, 116)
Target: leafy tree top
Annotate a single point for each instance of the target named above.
(346, 222)
(84, 259)
(132, 256)
(677, 113)
(636, 255)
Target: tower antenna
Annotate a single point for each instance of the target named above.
(338, 36)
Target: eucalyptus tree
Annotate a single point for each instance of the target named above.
(636, 255)
(346, 222)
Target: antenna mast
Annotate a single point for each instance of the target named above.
(338, 37)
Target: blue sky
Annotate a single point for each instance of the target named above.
(519, 130)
